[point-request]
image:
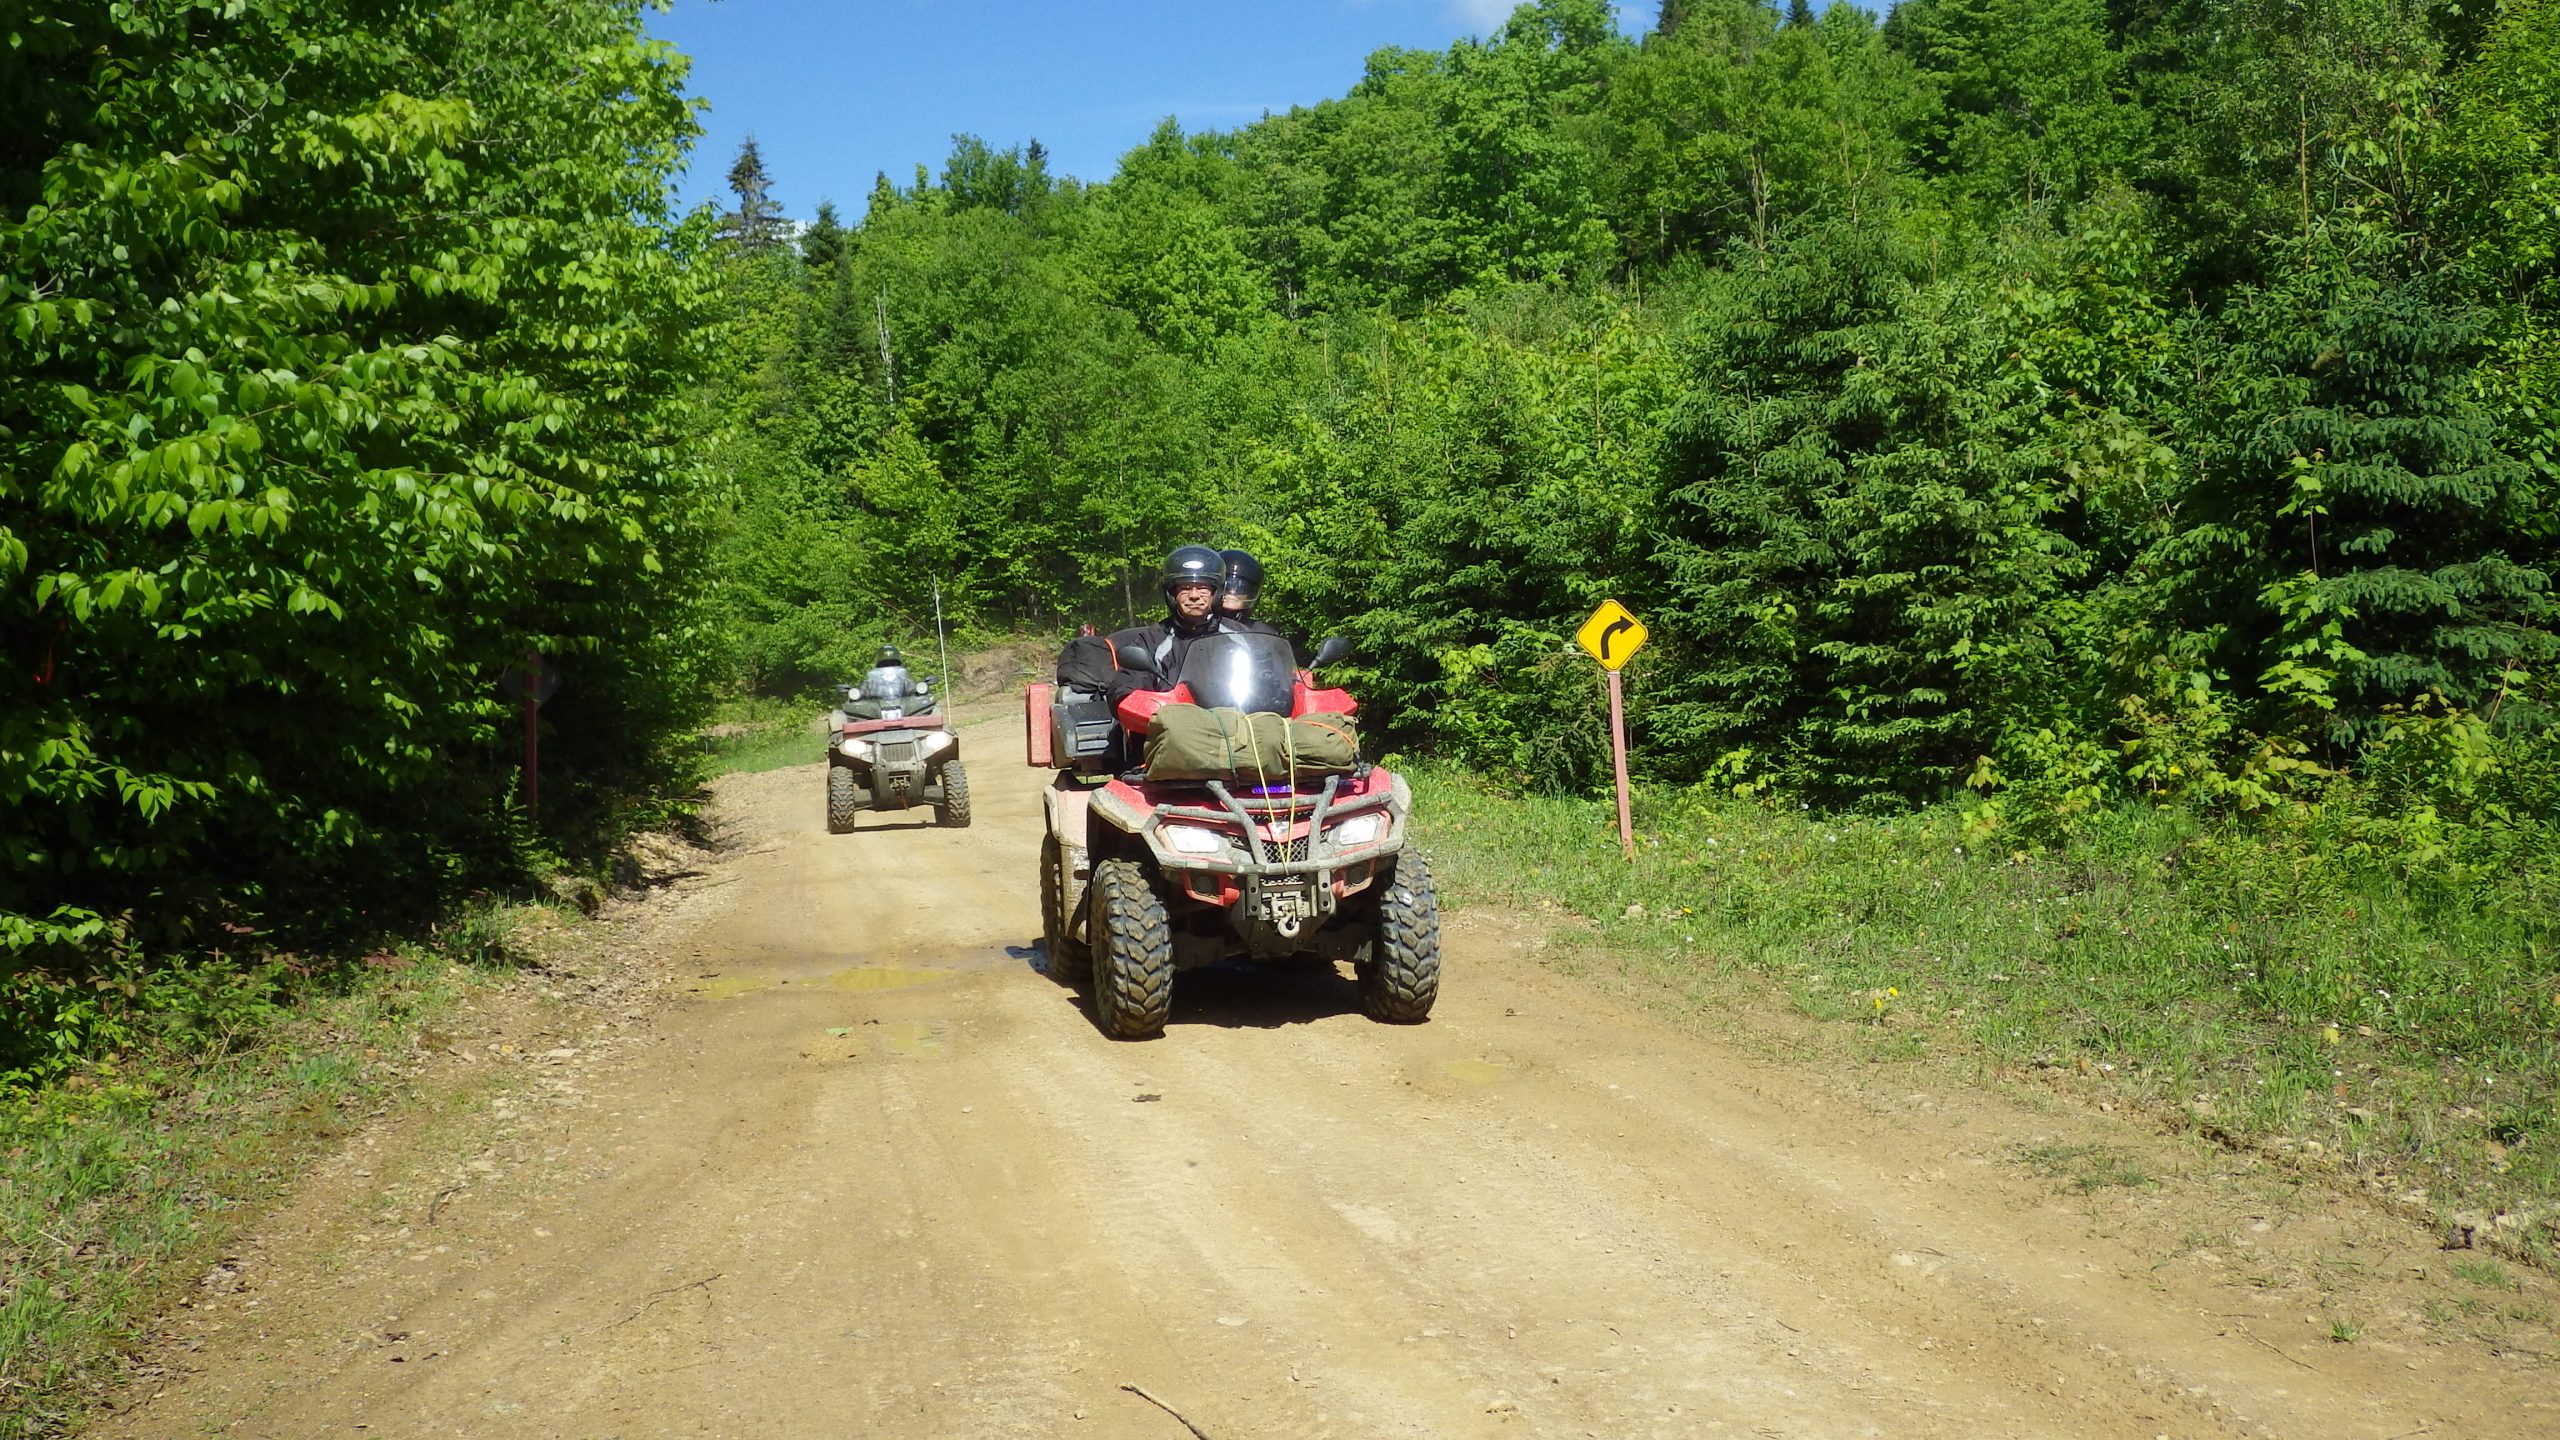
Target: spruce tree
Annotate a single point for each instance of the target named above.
(822, 244)
(757, 222)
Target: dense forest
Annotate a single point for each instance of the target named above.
(348, 355)
(2060, 401)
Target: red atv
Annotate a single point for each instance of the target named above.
(1142, 878)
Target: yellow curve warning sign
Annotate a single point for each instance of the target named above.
(1613, 635)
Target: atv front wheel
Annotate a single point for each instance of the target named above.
(844, 799)
(954, 810)
(1132, 951)
(1401, 976)
(1069, 962)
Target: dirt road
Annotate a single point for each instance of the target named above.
(861, 1169)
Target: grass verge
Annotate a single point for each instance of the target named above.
(756, 733)
(126, 1176)
(2227, 979)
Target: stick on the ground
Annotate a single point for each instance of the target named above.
(654, 1296)
(1141, 1392)
(2264, 1343)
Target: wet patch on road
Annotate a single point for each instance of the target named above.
(881, 977)
(913, 1039)
(860, 979)
(728, 987)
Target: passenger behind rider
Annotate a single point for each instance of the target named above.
(1241, 591)
(1190, 581)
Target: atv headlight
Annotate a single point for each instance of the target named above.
(857, 749)
(1359, 829)
(934, 742)
(1194, 840)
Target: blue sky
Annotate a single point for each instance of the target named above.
(836, 90)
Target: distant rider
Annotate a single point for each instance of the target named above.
(889, 679)
(1191, 579)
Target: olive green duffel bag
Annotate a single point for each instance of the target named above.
(1189, 742)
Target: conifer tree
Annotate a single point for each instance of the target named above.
(756, 225)
(822, 244)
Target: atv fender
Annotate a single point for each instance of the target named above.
(1067, 804)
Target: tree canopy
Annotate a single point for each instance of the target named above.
(347, 348)
(1991, 378)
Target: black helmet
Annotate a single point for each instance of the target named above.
(889, 656)
(1190, 564)
(1244, 583)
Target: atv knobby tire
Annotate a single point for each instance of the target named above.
(1069, 962)
(1132, 950)
(954, 810)
(844, 799)
(1401, 976)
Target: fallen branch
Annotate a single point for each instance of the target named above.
(654, 1296)
(2256, 1339)
(1141, 1392)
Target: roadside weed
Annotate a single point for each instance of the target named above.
(755, 733)
(2240, 979)
(2089, 1168)
(2485, 1273)
(122, 1174)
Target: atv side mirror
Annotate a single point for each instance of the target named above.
(1334, 649)
(1133, 656)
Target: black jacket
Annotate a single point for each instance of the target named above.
(1168, 643)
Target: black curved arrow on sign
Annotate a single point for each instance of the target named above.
(1612, 633)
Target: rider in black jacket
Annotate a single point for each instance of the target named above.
(1191, 580)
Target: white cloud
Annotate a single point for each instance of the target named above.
(1482, 16)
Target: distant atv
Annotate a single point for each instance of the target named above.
(1141, 878)
(893, 752)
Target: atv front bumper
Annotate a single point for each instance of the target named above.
(1280, 873)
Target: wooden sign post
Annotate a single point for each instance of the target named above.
(529, 686)
(1612, 636)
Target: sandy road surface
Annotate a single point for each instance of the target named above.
(868, 1172)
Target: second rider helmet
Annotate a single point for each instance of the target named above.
(1244, 584)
